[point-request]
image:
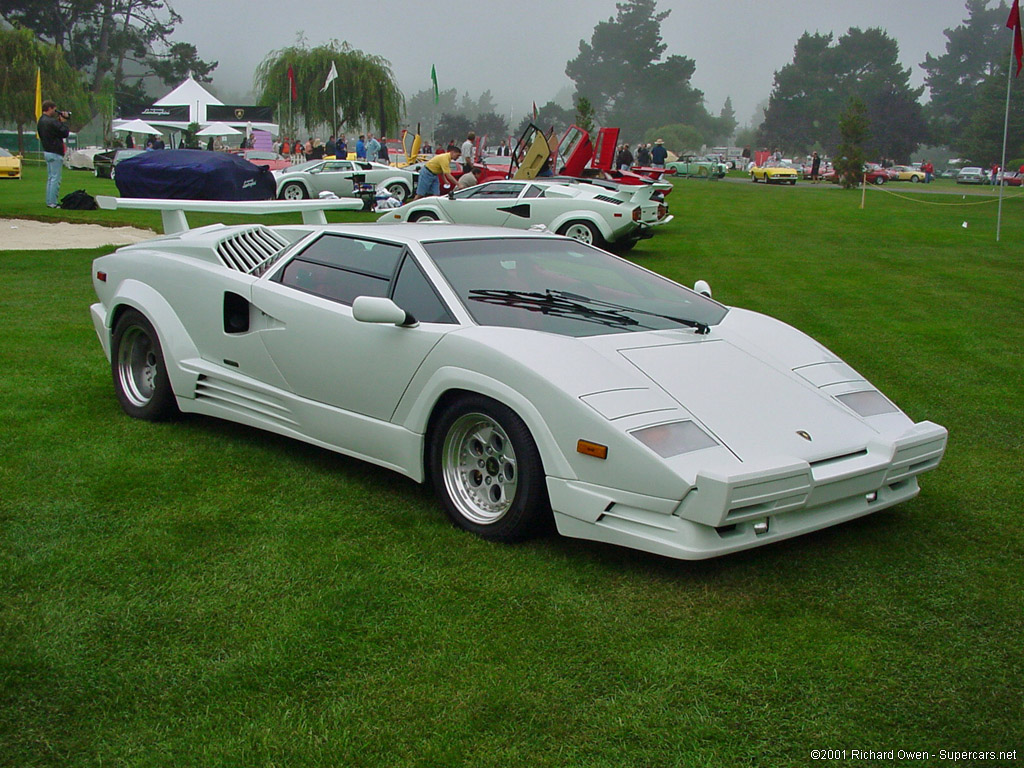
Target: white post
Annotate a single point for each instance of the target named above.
(1006, 126)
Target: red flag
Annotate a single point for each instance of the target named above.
(291, 80)
(1014, 23)
(535, 110)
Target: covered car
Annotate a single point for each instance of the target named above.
(193, 174)
(528, 376)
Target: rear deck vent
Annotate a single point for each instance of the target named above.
(607, 199)
(251, 251)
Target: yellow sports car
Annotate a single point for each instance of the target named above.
(775, 172)
(10, 165)
(907, 173)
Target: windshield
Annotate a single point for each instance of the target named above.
(565, 287)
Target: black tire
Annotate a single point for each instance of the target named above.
(622, 246)
(915, 180)
(879, 181)
(583, 231)
(753, 178)
(293, 190)
(139, 371)
(399, 191)
(486, 470)
(423, 216)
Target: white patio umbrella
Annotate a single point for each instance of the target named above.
(138, 126)
(218, 129)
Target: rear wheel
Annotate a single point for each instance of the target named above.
(915, 180)
(880, 180)
(487, 471)
(293, 190)
(424, 216)
(140, 375)
(398, 191)
(583, 231)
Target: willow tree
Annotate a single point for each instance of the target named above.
(20, 56)
(365, 88)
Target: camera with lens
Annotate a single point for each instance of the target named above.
(64, 113)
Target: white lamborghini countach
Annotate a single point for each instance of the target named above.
(526, 375)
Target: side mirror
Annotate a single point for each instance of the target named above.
(378, 309)
(702, 287)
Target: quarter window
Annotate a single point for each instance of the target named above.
(342, 268)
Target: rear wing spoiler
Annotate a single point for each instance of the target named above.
(173, 211)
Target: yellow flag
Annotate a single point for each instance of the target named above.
(39, 94)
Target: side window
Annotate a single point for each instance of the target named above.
(414, 294)
(534, 191)
(342, 268)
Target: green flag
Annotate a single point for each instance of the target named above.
(433, 79)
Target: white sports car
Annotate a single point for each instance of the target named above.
(610, 214)
(309, 179)
(527, 375)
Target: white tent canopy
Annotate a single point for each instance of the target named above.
(218, 129)
(192, 95)
(137, 126)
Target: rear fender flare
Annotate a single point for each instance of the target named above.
(175, 342)
(598, 221)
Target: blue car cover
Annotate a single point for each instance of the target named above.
(194, 174)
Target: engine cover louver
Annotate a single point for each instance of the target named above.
(251, 251)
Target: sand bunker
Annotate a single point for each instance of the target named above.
(27, 235)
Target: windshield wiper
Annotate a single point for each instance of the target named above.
(566, 304)
(555, 306)
(699, 327)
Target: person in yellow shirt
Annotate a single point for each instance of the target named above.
(429, 182)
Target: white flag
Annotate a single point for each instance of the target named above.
(332, 75)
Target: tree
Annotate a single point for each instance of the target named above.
(585, 114)
(452, 128)
(726, 121)
(365, 88)
(981, 140)
(974, 50)
(106, 38)
(491, 124)
(20, 54)
(681, 139)
(621, 73)
(549, 116)
(810, 92)
(853, 133)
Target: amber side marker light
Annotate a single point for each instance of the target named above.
(101, 276)
(588, 448)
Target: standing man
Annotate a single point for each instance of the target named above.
(361, 148)
(659, 154)
(467, 150)
(429, 182)
(372, 148)
(53, 129)
(815, 167)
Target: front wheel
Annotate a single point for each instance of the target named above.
(583, 231)
(140, 374)
(753, 178)
(879, 181)
(915, 180)
(293, 190)
(487, 471)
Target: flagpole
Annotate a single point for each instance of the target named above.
(1006, 127)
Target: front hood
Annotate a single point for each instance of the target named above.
(753, 407)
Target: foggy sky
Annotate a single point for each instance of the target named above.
(519, 48)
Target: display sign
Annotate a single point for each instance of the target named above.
(178, 114)
(231, 113)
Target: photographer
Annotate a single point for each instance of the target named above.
(52, 130)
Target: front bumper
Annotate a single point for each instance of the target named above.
(723, 514)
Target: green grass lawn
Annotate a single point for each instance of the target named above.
(199, 593)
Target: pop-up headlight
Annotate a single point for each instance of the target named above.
(669, 440)
(868, 403)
